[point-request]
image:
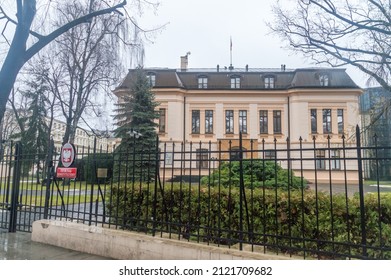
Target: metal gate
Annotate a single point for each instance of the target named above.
(29, 191)
(24, 198)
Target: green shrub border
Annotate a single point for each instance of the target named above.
(294, 222)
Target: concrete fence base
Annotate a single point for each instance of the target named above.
(125, 245)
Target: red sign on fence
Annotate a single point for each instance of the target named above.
(66, 172)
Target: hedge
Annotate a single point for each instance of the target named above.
(280, 220)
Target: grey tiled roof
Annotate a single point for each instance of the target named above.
(250, 79)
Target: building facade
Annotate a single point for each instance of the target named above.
(266, 106)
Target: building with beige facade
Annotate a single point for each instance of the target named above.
(307, 107)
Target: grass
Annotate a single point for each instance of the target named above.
(33, 194)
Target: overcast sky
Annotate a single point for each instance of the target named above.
(204, 28)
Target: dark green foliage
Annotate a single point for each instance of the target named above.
(34, 131)
(283, 222)
(90, 164)
(137, 112)
(256, 173)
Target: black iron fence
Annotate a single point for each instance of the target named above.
(304, 198)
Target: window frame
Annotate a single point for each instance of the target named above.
(314, 121)
(235, 82)
(243, 121)
(229, 121)
(270, 81)
(202, 158)
(151, 78)
(263, 122)
(208, 121)
(277, 122)
(195, 121)
(324, 79)
(327, 121)
(340, 121)
(202, 82)
(162, 120)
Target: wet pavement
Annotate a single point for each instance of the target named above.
(18, 246)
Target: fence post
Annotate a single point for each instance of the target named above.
(49, 176)
(157, 163)
(15, 187)
(241, 185)
(361, 192)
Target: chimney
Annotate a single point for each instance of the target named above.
(218, 68)
(185, 61)
(283, 66)
(246, 67)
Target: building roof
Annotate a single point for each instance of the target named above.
(250, 79)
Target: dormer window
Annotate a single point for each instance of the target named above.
(235, 82)
(202, 82)
(269, 81)
(324, 80)
(151, 78)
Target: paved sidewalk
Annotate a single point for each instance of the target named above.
(18, 246)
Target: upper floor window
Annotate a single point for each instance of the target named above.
(314, 121)
(324, 80)
(208, 121)
(195, 121)
(151, 78)
(340, 121)
(229, 121)
(263, 121)
(235, 82)
(277, 121)
(243, 121)
(162, 120)
(327, 121)
(269, 82)
(202, 82)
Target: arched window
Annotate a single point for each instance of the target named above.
(324, 80)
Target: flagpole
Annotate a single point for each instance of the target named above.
(230, 48)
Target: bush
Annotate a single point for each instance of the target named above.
(256, 173)
(91, 163)
(287, 222)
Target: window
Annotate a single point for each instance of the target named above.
(168, 158)
(162, 120)
(277, 121)
(326, 121)
(269, 82)
(208, 121)
(195, 121)
(314, 121)
(229, 121)
(335, 161)
(151, 77)
(263, 122)
(235, 82)
(340, 121)
(202, 158)
(243, 121)
(320, 159)
(324, 80)
(234, 153)
(270, 154)
(202, 82)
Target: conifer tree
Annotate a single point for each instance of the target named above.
(135, 158)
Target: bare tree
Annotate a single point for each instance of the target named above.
(27, 42)
(338, 33)
(87, 63)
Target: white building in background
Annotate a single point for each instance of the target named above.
(266, 106)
